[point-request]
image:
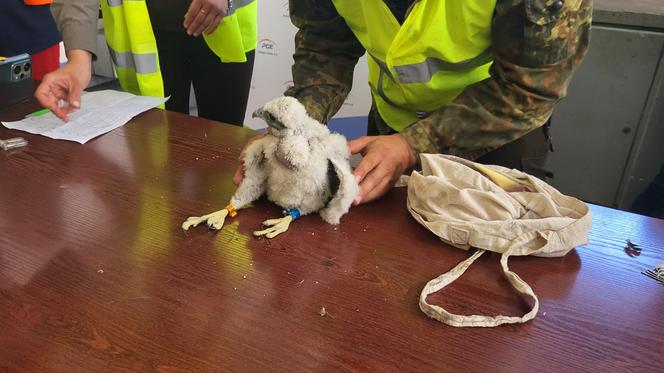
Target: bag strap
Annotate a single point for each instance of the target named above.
(442, 315)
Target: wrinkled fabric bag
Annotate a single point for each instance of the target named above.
(492, 208)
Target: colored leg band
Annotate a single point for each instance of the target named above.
(294, 213)
(231, 210)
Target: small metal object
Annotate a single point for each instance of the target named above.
(13, 143)
(633, 246)
(632, 249)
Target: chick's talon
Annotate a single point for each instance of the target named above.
(193, 221)
(275, 227)
(213, 220)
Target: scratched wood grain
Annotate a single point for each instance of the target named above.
(96, 275)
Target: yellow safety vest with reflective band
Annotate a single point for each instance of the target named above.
(415, 68)
(134, 50)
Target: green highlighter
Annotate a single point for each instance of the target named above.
(38, 113)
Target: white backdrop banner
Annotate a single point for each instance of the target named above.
(272, 70)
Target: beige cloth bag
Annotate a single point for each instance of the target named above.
(463, 204)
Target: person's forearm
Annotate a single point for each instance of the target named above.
(486, 115)
(77, 22)
(326, 52)
(81, 57)
(530, 74)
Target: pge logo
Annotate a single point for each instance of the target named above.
(267, 46)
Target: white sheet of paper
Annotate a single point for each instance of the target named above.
(100, 112)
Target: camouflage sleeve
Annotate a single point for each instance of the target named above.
(536, 46)
(326, 52)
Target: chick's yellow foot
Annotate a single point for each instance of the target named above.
(275, 227)
(214, 220)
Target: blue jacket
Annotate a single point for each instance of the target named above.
(26, 28)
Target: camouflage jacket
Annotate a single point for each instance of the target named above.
(536, 46)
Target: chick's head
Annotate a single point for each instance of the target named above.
(286, 116)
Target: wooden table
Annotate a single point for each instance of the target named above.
(96, 274)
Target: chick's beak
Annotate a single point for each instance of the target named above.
(258, 113)
(271, 121)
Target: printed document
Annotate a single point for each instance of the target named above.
(100, 112)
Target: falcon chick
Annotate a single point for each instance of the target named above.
(299, 164)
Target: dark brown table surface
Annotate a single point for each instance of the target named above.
(96, 274)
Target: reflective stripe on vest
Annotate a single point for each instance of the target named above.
(423, 72)
(143, 63)
(133, 47)
(442, 47)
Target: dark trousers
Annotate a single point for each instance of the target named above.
(528, 153)
(651, 201)
(221, 89)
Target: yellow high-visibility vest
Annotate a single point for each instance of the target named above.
(415, 68)
(133, 46)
